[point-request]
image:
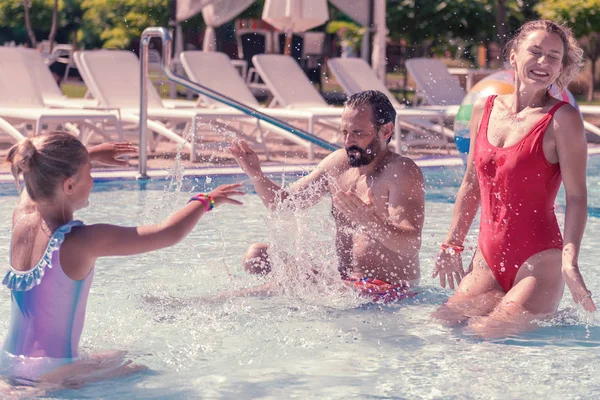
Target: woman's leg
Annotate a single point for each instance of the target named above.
(478, 294)
(537, 291)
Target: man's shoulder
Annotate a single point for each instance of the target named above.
(398, 164)
(334, 159)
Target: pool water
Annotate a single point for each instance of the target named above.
(306, 342)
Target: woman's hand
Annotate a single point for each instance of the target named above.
(449, 267)
(109, 153)
(223, 193)
(574, 280)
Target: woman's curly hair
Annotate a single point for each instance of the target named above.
(573, 54)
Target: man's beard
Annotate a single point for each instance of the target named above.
(364, 157)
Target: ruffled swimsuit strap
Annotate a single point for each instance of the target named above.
(26, 280)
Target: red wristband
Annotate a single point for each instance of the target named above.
(452, 248)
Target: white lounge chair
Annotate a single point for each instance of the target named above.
(22, 102)
(590, 111)
(215, 71)
(10, 130)
(113, 78)
(435, 85)
(355, 75)
(52, 95)
(292, 89)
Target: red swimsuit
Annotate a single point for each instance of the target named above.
(518, 188)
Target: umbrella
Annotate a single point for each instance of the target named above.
(378, 58)
(361, 11)
(293, 16)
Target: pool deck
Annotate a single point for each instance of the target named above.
(162, 163)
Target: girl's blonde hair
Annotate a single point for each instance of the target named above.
(573, 54)
(46, 160)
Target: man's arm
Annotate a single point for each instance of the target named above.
(307, 190)
(401, 230)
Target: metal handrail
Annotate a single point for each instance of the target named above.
(163, 34)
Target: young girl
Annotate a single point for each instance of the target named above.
(522, 146)
(52, 255)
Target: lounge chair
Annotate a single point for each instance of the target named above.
(52, 95)
(291, 89)
(215, 71)
(436, 86)
(22, 102)
(251, 42)
(10, 130)
(113, 78)
(355, 75)
(590, 111)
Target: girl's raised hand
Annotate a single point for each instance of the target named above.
(109, 153)
(223, 193)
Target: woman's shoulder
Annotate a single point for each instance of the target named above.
(566, 111)
(567, 122)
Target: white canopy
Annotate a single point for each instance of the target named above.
(188, 8)
(218, 13)
(378, 57)
(291, 16)
(295, 15)
(359, 11)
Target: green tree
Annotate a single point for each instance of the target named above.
(115, 23)
(583, 16)
(40, 14)
(431, 22)
(54, 25)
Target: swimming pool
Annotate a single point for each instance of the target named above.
(305, 343)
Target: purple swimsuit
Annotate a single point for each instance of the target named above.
(48, 308)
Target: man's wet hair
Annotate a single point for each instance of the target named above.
(382, 110)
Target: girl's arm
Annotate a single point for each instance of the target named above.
(109, 153)
(88, 243)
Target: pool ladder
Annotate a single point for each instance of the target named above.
(165, 37)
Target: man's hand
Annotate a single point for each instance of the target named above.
(108, 153)
(246, 158)
(356, 210)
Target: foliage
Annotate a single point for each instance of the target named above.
(583, 17)
(440, 22)
(12, 16)
(348, 32)
(114, 23)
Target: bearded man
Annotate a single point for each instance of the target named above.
(377, 197)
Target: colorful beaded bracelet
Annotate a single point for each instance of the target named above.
(206, 199)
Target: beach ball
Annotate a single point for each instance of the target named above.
(501, 82)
